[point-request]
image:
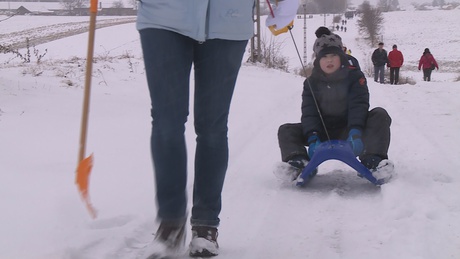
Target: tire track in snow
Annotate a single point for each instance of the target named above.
(44, 34)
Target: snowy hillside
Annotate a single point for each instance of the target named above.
(404, 4)
(338, 215)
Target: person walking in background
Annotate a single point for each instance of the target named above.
(175, 35)
(395, 62)
(379, 60)
(428, 64)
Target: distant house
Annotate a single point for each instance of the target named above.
(22, 11)
(117, 11)
(29, 8)
(56, 8)
(349, 14)
(80, 11)
(112, 11)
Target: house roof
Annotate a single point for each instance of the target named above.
(41, 7)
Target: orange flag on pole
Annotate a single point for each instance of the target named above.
(82, 181)
(86, 164)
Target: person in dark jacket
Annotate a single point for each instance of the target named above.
(379, 59)
(335, 105)
(428, 64)
(395, 62)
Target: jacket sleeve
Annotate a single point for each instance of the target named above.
(420, 63)
(310, 119)
(373, 58)
(358, 102)
(434, 62)
(390, 59)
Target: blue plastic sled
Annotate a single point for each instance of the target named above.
(339, 150)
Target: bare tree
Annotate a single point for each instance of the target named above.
(118, 4)
(272, 55)
(438, 3)
(383, 5)
(331, 6)
(336, 19)
(133, 3)
(370, 22)
(388, 5)
(311, 8)
(69, 5)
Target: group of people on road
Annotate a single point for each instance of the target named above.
(394, 61)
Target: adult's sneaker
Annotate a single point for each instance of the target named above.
(204, 242)
(169, 241)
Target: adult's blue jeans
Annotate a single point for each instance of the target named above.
(168, 58)
(379, 73)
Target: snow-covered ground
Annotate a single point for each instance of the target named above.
(338, 215)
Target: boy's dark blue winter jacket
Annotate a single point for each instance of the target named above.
(342, 97)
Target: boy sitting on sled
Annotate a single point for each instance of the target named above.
(335, 106)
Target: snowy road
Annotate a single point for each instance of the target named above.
(337, 216)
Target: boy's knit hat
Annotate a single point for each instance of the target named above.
(327, 44)
(322, 31)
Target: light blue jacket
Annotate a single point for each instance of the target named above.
(199, 19)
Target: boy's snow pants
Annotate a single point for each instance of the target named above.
(376, 136)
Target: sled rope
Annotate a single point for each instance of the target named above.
(309, 86)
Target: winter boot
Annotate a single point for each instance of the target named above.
(371, 161)
(380, 168)
(298, 162)
(289, 171)
(384, 171)
(204, 242)
(168, 242)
